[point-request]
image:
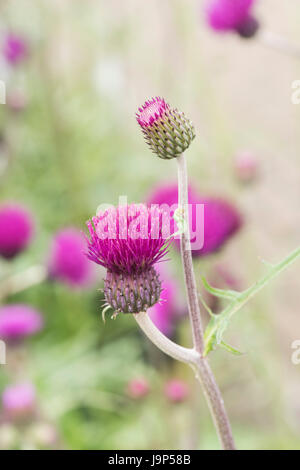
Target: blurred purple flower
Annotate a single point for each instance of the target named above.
(228, 15)
(18, 321)
(16, 229)
(176, 390)
(165, 313)
(18, 401)
(15, 49)
(68, 262)
(246, 166)
(221, 219)
(16, 101)
(138, 388)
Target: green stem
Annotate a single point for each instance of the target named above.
(202, 368)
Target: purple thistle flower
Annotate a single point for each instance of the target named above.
(18, 401)
(167, 131)
(128, 241)
(229, 15)
(16, 230)
(15, 49)
(221, 219)
(18, 321)
(68, 262)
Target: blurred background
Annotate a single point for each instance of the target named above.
(75, 74)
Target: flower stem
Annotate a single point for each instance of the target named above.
(21, 281)
(177, 352)
(279, 44)
(203, 370)
(186, 256)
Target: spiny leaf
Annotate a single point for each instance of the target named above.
(230, 349)
(216, 327)
(222, 293)
(207, 308)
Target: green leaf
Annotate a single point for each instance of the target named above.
(230, 349)
(222, 293)
(207, 308)
(217, 325)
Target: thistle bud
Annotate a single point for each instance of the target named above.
(167, 131)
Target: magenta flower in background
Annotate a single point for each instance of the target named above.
(165, 314)
(18, 401)
(221, 218)
(68, 262)
(232, 15)
(246, 167)
(138, 388)
(16, 101)
(176, 391)
(16, 230)
(18, 321)
(128, 241)
(15, 49)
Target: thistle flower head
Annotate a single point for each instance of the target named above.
(167, 131)
(18, 401)
(18, 321)
(14, 49)
(68, 263)
(16, 230)
(128, 241)
(228, 15)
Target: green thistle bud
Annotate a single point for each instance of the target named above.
(167, 131)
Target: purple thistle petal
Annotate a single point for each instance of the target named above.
(121, 239)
